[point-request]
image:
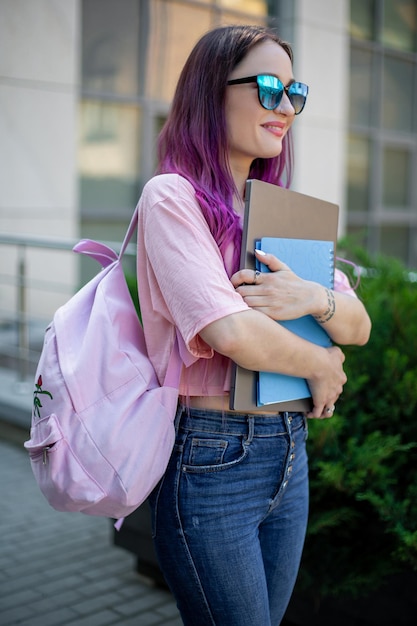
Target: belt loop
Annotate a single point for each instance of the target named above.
(288, 420)
(177, 419)
(251, 428)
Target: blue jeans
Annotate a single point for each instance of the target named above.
(230, 515)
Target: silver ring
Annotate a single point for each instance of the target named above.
(331, 409)
(255, 278)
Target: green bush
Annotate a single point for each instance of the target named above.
(363, 461)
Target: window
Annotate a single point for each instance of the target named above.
(399, 25)
(398, 89)
(109, 155)
(382, 146)
(362, 19)
(111, 109)
(358, 174)
(396, 180)
(361, 92)
(132, 54)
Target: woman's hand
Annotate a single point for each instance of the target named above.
(280, 294)
(326, 384)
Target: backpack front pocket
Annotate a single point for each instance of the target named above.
(61, 477)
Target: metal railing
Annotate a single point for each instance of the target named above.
(21, 331)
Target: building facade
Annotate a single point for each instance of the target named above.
(85, 86)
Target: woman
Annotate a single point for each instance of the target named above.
(229, 516)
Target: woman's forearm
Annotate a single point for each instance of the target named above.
(281, 295)
(344, 317)
(256, 342)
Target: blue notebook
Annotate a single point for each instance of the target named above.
(311, 260)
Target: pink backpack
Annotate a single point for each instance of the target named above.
(102, 426)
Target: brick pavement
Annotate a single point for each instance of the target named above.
(62, 569)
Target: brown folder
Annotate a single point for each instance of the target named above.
(271, 211)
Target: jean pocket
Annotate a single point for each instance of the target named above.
(210, 454)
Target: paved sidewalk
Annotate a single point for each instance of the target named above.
(62, 569)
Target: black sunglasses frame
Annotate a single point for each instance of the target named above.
(287, 90)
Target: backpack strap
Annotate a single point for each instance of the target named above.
(180, 355)
(104, 255)
(98, 251)
(129, 233)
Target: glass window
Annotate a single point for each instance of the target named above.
(110, 45)
(108, 156)
(132, 54)
(396, 178)
(362, 19)
(233, 18)
(358, 173)
(382, 148)
(255, 7)
(398, 110)
(362, 96)
(399, 28)
(394, 241)
(175, 28)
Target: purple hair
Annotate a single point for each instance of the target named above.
(193, 141)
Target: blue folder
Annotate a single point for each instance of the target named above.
(311, 260)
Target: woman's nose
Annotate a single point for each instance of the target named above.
(285, 107)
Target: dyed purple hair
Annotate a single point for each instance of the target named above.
(193, 141)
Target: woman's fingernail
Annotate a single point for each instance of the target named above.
(261, 252)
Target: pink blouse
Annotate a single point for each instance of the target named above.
(182, 283)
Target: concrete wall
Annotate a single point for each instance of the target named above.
(321, 46)
(39, 52)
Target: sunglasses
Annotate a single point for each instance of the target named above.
(271, 90)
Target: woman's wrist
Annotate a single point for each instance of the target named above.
(328, 308)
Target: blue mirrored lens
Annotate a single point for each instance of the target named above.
(297, 93)
(271, 90)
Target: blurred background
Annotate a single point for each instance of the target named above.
(85, 86)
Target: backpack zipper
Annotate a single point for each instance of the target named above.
(45, 451)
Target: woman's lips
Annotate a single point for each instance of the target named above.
(277, 128)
